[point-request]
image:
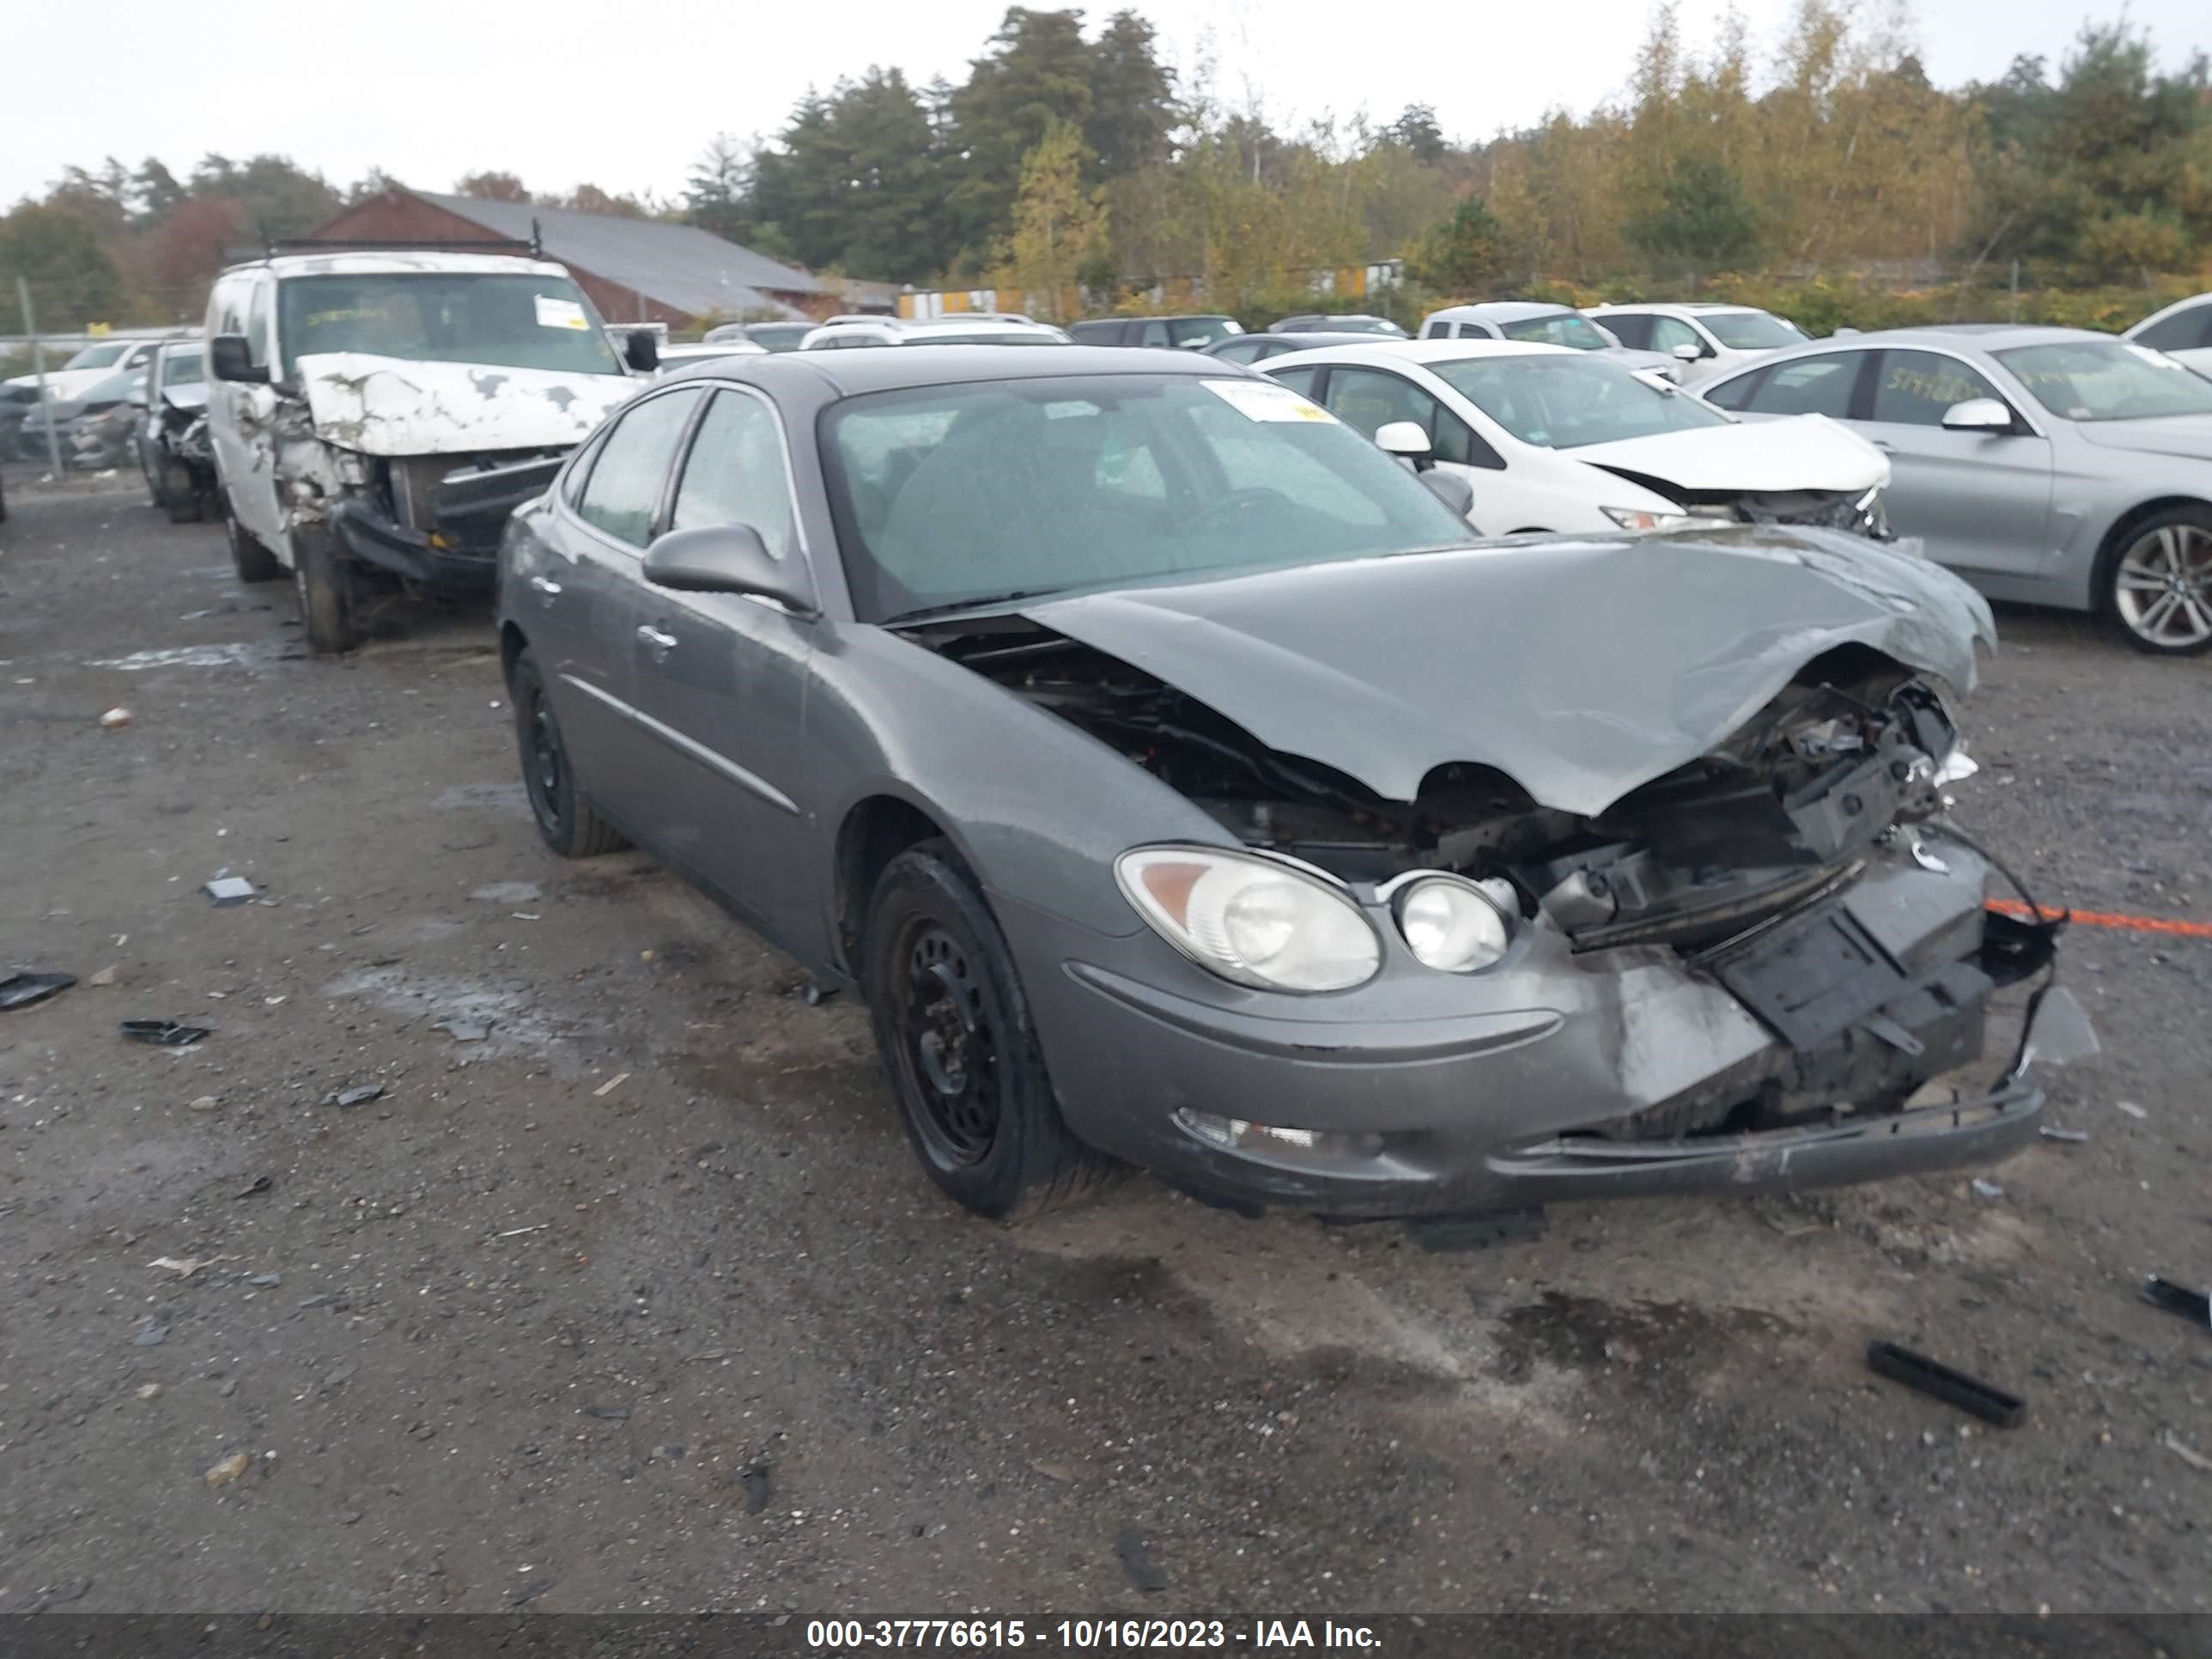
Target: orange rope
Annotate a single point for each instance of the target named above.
(2109, 919)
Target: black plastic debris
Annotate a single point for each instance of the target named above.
(1137, 1566)
(360, 1096)
(608, 1413)
(21, 990)
(163, 1033)
(260, 1184)
(2070, 1136)
(1939, 1382)
(758, 1486)
(2192, 1305)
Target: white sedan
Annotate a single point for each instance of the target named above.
(1550, 438)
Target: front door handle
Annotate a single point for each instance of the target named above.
(1883, 445)
(658, 643)
(548, 589)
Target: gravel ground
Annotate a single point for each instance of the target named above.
(638, 1302)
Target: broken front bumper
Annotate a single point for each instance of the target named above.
(1557, 1075)
(457, 553)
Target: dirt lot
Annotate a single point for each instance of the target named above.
(640, 1302)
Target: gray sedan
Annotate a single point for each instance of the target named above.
(1179, 789)
(2051, 465)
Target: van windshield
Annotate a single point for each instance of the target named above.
(447, 317)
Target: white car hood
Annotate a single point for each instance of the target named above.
(405, 406)
(1803, 452)
(62, 385)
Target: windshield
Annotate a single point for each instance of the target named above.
(2107, 380)
(1564, 403)
(98, 355)
(183, 367)
(1751, 331)
(1562, 328)
(1196, 332)
(952, 494)
(450, 317)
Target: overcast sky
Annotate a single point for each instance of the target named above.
(559, 91)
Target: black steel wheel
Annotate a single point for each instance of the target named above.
(563, 812)
(252, 562)
(952, 1025)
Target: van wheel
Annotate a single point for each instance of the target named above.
(325, 582)
(557, 800)
(252, 562)
(173, 489)
(952, 1024)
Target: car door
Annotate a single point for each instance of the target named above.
(1369, 399)
(238, 419)
(1979, 501)
(721, 678)
(588, 602)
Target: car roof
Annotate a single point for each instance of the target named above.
(1684, 307)
(374, 263)
(1383, 353)
(892, 368)
(1503, 311)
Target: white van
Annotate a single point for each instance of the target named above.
(383, 412)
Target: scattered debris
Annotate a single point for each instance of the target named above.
(1058, 1472)
(2187, 1454)
(115, 717)
(517, 1232)
(149, 1390)
(2131, 1108)
(1939, 1382)
(464, 1031)
(610, 1085)
(2192, 1305)
(508, 892)
(531, 1592)
(163, 1033)
(183, 1266)
(1140, 1569)
(150, 1335)
(258, 1185)
(228, 1470)
(264, 1281)
(357, 1096)
(2071, 1137)
(608, 1413)
(1987, 1189)
(229, 889)
(204, 1103)
(105, 976)
(758, 1487)
(21, 990)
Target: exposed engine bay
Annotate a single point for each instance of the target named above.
(1791, 804)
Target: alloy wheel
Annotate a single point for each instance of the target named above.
(2163, 586)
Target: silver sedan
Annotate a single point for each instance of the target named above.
(2050, 465)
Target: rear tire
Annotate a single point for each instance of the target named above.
(173, 490)
(2154, 583)
(324, 583)
(252, 562)
(952, 1025)
(557, 799)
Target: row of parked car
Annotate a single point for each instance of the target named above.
(1164, 759)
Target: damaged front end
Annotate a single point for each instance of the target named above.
(1747, 971)
(433, 521)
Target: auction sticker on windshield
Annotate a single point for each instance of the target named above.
(1264, 400)
(556, 312)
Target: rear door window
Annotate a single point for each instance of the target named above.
(1807, 386)
(1631, 330)
(623, 493)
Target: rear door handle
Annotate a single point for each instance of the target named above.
(658, 643)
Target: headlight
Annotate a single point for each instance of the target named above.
(1255, 921)
(1635, 518)
(1450, 924)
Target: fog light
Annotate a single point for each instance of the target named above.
(1236, 1134)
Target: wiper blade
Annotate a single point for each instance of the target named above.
(981, 602)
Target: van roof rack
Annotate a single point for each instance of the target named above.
(273, 245)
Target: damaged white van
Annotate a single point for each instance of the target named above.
(376, 415)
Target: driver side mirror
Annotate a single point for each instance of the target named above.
(728, 558)
(642, 351)
(1688, 352)
(1978, 415)
(1407, 441)
(229, 358)
(1454, 491)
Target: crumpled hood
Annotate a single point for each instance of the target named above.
(2187, 435)
(1807, 452)
(1581, 669)
(405, 406)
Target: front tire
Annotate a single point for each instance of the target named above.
(252, 562)
(557, 800)
(325, 582)
(174, 491)
(952, 1024)
(2155, 583)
